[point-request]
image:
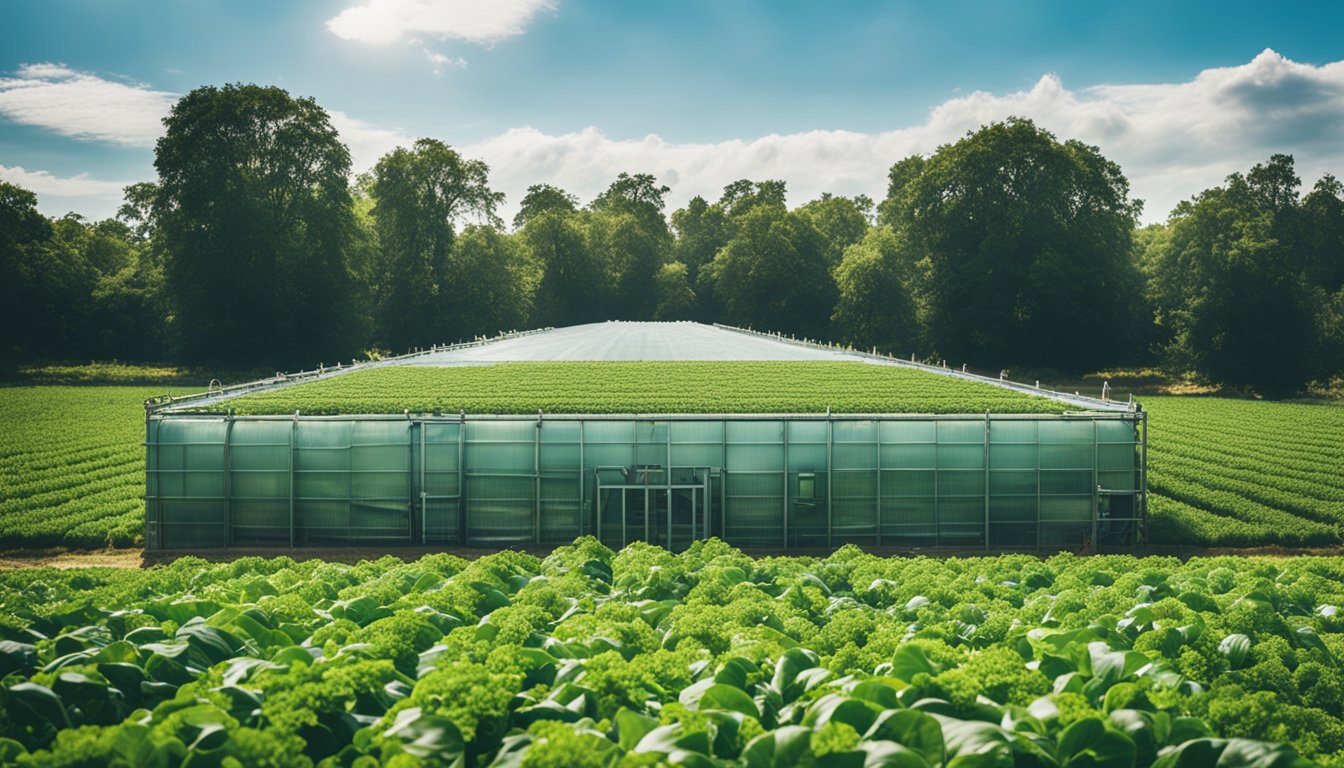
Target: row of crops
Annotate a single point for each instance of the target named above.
(708, 658)
(1246, 473)
(647, 387)
(72, 465)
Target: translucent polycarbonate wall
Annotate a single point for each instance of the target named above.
(1016, 481)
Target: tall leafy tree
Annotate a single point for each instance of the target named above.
(875, 306)
(842, 221)
(1233, 292)
(773, 273)
(574, 285)
(543, 198)
(253, 205)
(493, 282)
(1028, 247)
(420, 194)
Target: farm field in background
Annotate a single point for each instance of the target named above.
(72, 465)
(709, 657)
(1226, 473)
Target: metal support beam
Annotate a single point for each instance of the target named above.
(784, 440)
(831, 435)
(583, 482)
(1143, 476)
(877, 512)
(986, 479)
(293, 433)
(536, 481)
(228, 482)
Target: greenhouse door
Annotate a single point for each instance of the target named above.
(1118, 518)
(670, 514)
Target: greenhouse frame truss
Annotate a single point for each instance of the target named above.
(771, 481)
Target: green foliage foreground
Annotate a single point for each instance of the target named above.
(590, 657)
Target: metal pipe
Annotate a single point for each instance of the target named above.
(877, 532)
(1143, 474)
(536, 482)
(461, 478)
(293, 432)
(986, 480)
(784, 438)
(228, 485)
(424, 504)
(830, 446)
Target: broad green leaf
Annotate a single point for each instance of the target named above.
(631, 727)
(784, 747)
(915, 729)
(426, 736)
(1236, 648)
(909, 660)
(1089, 742)
(35, 705)
(720, 696)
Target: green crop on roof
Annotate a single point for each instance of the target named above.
(646, 387)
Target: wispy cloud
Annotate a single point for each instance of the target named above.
(478, 21)
(83, 105)
(1172, 139)
(46, 184)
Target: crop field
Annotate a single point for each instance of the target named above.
(1231, 473)
(72, 465)
(708, 658)
(1246, 473)
(645, 387)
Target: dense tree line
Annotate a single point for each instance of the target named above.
(255, 247)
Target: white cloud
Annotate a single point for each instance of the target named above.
(1171, 140)
(45, 184)
(367, 142)
(479, 21)
(83, 105)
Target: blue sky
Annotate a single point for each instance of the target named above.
(825, 95)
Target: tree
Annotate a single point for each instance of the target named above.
(632, 256)
(875, 307)
(1028, 249)
(898, 181)
(842, 221)
(574, 286)
(640, 196)
(1240, 310)
(1322, 243)
(701, 231)
(253, 205)
(773, 274)
(419, 196)
(544, 198)
(493, 282)
(676, 300)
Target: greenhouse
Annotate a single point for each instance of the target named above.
(779, 481)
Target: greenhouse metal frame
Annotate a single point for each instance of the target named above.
(775, 481)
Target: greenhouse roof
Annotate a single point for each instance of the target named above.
(632, 341)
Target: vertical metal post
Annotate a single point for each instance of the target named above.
(647, 516)
(878, 511)
(1096, 496)
(424, 503)
(667, 480)
(986, 479)
(830, 444)
(694, 498)
(784, 441)
(1038, 484)
(461, 477)
(597, 499)
(937, 513)
(723, 485)
(624, 516)
(293, 433)
(228, 482)
(582, 481)
(536, 481)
